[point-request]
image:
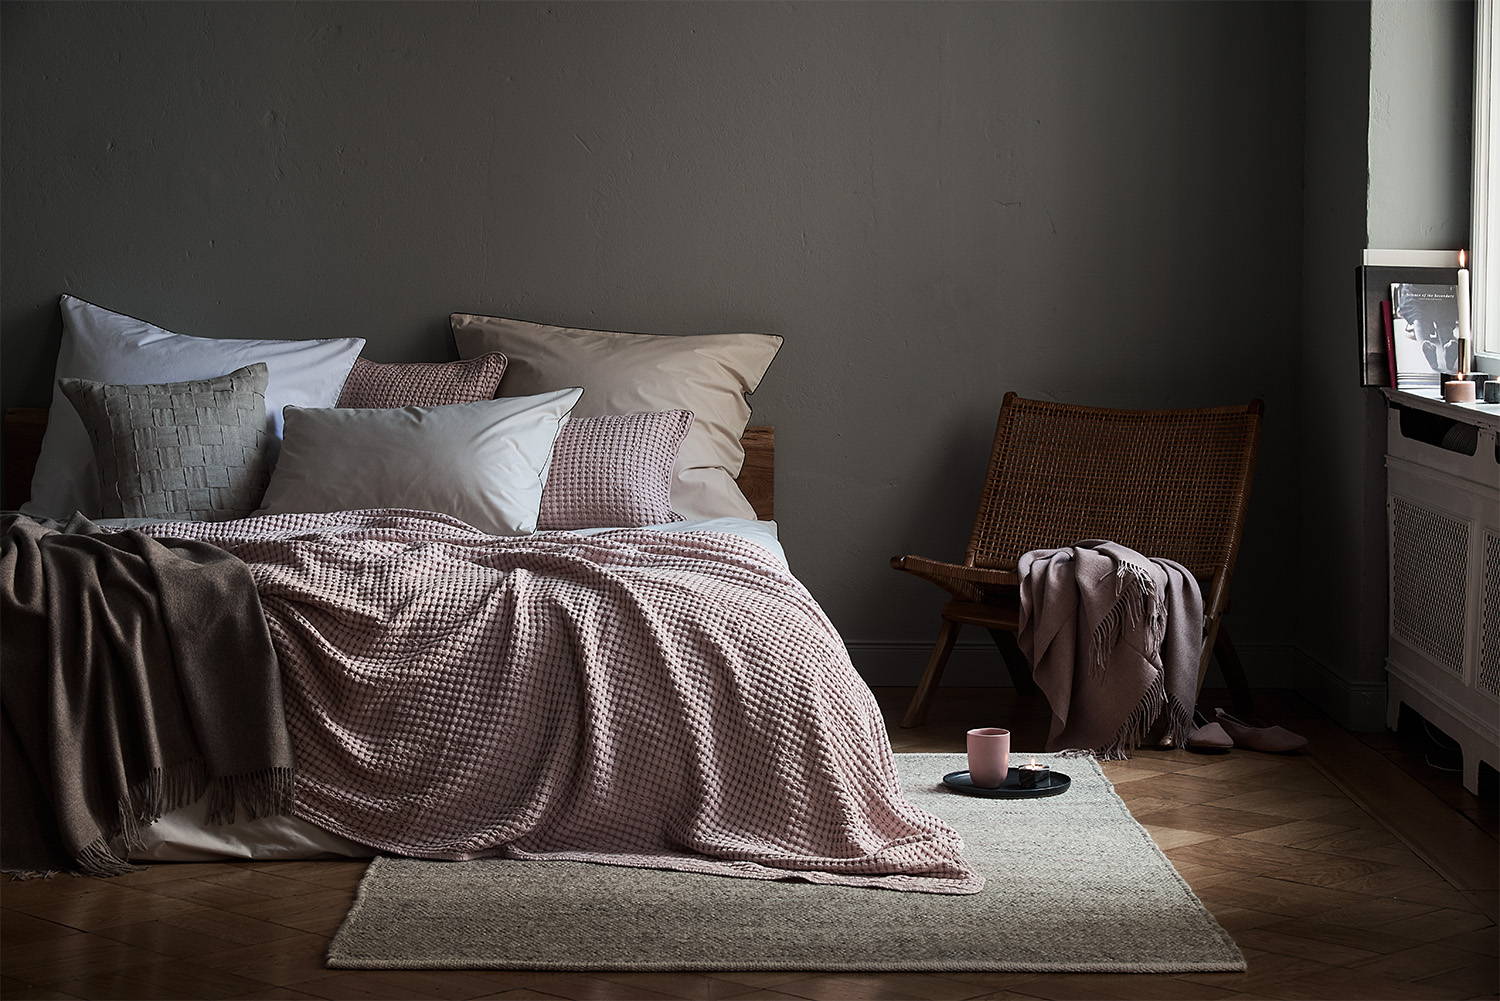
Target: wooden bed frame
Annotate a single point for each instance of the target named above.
(23, 443)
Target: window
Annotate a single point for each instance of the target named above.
(1486, 191)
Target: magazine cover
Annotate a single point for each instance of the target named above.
(1425, 331)
(1377, 364)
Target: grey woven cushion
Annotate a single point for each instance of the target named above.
(190, 451)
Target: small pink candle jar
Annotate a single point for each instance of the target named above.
(1458, 391)
(989, 756)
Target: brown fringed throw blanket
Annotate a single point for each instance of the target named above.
(138, 677)
(1114, 640)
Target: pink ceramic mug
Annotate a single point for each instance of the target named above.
(989, 756)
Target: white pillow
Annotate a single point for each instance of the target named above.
(484, 463)
(104, 346)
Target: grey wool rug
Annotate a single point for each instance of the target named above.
(1074, 885)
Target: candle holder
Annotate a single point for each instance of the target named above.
(1033, 775)
(1044, 782)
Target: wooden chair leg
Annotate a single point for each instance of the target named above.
(917, 711)
(1234, 673)
(1015, 662)
(1206, 655)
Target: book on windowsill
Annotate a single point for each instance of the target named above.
(1377, 362)
(1388, 324)
(1424, 329)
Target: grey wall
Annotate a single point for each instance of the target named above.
(1389, 91)
(934, 203)
(1340, 581)
(1421, 110)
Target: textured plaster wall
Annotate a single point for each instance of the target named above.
(935, 203)
(1421, 110)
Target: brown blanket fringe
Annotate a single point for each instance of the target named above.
(250, 796)
(97, 859)
(263, 793)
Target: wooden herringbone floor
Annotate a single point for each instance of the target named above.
(1324, 899)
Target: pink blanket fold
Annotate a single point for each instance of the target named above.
(675, 701)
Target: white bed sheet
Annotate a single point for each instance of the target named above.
(761, 533)
(182, 836)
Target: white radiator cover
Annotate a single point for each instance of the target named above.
(1443, 530)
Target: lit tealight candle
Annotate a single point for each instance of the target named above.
(1033, 774)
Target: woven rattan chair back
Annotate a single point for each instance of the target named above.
(1168, 483)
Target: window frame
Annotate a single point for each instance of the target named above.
(1484, 251)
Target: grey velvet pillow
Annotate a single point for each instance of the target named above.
(187, 451)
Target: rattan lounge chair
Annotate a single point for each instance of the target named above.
(1170, 483)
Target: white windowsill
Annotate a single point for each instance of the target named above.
(1485, 415)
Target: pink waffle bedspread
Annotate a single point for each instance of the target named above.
(674, 701)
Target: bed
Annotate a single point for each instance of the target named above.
(323, 606)
(184, 835)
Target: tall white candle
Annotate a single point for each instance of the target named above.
(1463, 297)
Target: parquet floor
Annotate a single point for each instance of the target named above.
(1323, 898)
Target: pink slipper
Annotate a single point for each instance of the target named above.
(1270, 739)
(1207, 738)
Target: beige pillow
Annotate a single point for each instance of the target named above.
(708, 374)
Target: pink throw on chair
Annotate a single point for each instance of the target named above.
(1114, 641)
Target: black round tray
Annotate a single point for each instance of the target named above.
(1054, 783)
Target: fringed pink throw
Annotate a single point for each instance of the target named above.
(1114, 640)
(675, 701)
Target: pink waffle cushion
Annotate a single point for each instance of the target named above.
(381, 385)
(614, 471)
